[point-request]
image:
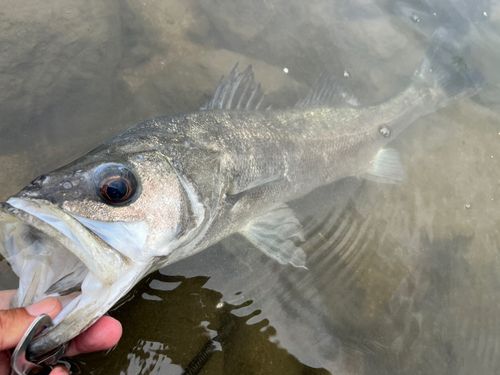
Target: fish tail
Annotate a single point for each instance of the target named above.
(444, 72)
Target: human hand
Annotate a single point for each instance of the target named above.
(103, 335)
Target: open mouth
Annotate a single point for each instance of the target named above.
(55, 255)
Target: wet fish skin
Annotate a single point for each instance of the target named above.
(220, 153)
(291, 151)
(206, 175)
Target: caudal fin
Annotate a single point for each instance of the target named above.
(444, 71)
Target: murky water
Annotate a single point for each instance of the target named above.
(401, 279)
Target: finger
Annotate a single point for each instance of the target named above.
(59, 370)
(15, 322)
(104, 334)
(5, 297)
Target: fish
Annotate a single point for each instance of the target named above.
(174, 185)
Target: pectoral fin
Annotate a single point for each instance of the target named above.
(271, 233)
(386, 167)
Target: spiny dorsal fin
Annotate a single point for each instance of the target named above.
(328, 92)
(239, 92)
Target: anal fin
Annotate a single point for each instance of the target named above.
(386, 167)
(271, 233)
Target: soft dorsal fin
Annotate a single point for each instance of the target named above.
(239, 92)
(328, 92)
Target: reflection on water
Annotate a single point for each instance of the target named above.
(401, 278)
(180, 317)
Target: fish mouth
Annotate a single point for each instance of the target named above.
(54, 254)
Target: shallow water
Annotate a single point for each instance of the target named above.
(401, 278)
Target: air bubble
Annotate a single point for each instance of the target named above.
(285, 70)
(468, 206)
(67, 185)
(219, 305)
(385, 131)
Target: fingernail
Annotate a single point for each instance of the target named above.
(42, 307)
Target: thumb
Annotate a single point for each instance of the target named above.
(15, 322)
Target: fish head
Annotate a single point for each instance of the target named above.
(89, 231)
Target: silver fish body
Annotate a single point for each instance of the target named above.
(272, 157)
(172, 186)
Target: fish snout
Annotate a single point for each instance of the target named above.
(56, 189)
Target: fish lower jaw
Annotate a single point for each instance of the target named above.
(84, 309)
(47, 257)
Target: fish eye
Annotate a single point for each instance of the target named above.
(117, 185)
